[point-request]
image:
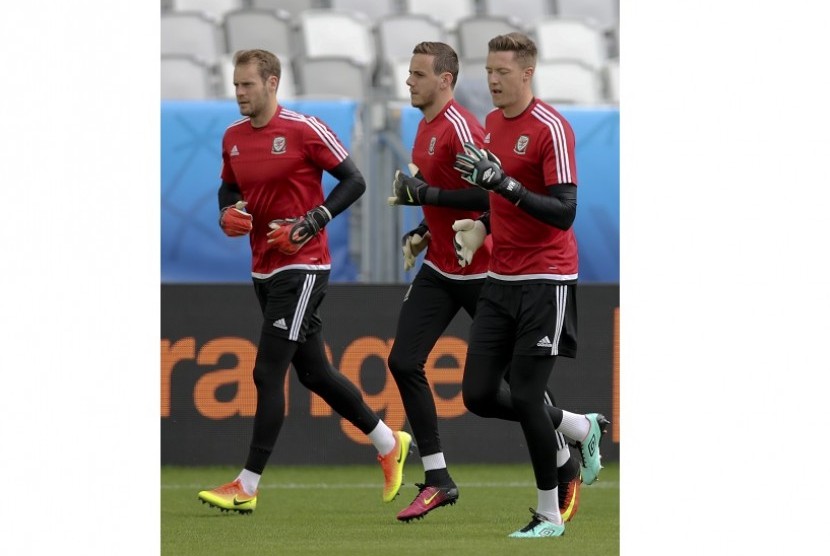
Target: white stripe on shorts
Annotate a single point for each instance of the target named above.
(302, 305)
(561, 304)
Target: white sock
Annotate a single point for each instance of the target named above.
(434, 461)
(574, 426)
(548, 505)
(383, 438)
(250, 481)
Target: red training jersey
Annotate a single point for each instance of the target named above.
(537, 148)
(279, 170)
(436, 144)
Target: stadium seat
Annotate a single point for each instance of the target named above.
(259, 28)
(526, 11)
(185, 78)
(287, 88)
(475, 32)
(603, 14)
(326, 32)
(447, 12)
(192, 34)
(371, 9)
(567, 82)
(570, 39)
(293, 7)
(333, 76)
(214, 8)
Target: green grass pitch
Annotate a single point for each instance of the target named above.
(337, 510)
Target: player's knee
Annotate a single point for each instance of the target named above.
(476, 402)
(400, 365)
(311, 381)
(261, 376)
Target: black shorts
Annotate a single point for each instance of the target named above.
(290, 300)
(525, 319)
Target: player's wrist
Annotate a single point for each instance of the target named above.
(318, 218)
(511, 190)
(430, 195)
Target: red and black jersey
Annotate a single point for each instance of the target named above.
(436, 144)
(536, 148)
(279, 170)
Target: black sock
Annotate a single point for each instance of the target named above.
(439, 478)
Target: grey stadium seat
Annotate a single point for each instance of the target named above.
(259, 28)
(570, 39)
(214, 8)
(336, 33)
(567, 82)
(293, 7)
(185, 78)
(527, 11)
(475, 32)
(192, 34)
(333, 76)
(372, 9)
(447, 12)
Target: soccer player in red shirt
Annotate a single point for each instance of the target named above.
(526, 313)
(273, 161)
(442, 288)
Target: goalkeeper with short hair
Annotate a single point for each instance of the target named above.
(526, 315)
(447, 281)
(273, 162)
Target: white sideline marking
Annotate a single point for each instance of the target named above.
(308, 486)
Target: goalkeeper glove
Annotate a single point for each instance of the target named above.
(290, 234)
(468, 238)
(412, 191)
(482, 168)
(234, 222)
(412, 243)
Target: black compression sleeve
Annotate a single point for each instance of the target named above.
(470, 198)
(557, 208)
(229, 194)
(351, 187)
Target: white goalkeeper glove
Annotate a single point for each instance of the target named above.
(468, 238)
(412, 243)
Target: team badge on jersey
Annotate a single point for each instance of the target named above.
(278, 147)
(521, 144)
(432, 146)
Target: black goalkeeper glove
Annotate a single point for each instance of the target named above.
(482, 168)
(412, 191)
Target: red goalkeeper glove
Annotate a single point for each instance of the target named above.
(290, 234)
(234, 222)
